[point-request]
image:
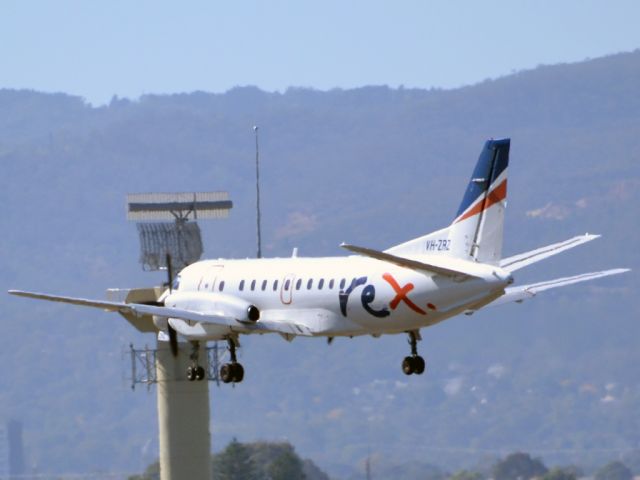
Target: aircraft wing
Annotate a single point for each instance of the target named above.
(516, 262)
(520, 293)
(216, 318)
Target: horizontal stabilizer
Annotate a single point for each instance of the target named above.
(521, 260)
(216, 318)
(438, 266)
(524, 292)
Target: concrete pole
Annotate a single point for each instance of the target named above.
(183, 416)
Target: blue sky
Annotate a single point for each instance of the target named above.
(96, 49)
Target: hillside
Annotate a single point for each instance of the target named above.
(373, 166)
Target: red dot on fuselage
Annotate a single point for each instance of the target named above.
(431, 306)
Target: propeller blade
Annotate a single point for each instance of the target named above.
(173, 340)
(173, 335)
(169, 271)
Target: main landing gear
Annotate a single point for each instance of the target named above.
(232, 372)
(414, 363)
(195, 371)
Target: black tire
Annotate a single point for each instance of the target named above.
(418, 365)
(238, 372)
(226, 373)
(191, 374)
(408, 365)
(199, 373)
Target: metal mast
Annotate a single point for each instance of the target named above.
(259, 255)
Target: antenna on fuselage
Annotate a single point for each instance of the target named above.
(259, 253)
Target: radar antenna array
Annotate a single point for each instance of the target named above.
(167, 225)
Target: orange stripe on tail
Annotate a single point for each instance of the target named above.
(496, 195)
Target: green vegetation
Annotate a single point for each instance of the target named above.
(279, 461)
(254, 461)
(519, 466)
(614, 471)
(466, 475)
(234, 463)
(557, 473)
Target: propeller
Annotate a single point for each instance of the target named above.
(173, 335)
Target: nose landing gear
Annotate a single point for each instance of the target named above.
(233, 371)
(195, 371)
(414, 363)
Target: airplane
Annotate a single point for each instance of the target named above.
(458, 269)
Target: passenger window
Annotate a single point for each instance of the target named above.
(331, 284)
(253, 285)
(287, 284)
(298, 284)
(310, 284)
(321, 284)
(241, 286)
(275, 285)
(342, 282)
(221, 286)
(264, 285)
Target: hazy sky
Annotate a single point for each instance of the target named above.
(130, 47)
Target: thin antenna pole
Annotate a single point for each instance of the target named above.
(255, 129)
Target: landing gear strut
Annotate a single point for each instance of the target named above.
(195, 371)
(414, 363)
(232, 372)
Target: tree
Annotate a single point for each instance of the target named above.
(614, 471)
(466, 475)
(234, 463)
(152, 472)
(632, 460)
(287, 466)
(559, 474)
(518, 466)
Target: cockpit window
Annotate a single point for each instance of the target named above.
(176, 283)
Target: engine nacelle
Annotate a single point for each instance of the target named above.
(214, 304)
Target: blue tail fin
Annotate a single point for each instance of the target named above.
(476, 231)
(493, 161)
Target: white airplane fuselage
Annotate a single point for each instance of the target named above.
(333, 296)
(404, 288)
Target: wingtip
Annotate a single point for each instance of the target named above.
(621, 270)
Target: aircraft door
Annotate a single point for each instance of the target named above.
(286, 289)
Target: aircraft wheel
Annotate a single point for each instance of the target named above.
(199, 372)
(191, 374)
(418, 365)
(408, 366)
(238, 372)
(226, 374)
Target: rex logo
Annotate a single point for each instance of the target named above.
(368, 295)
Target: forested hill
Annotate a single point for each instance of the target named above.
(373, 166)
